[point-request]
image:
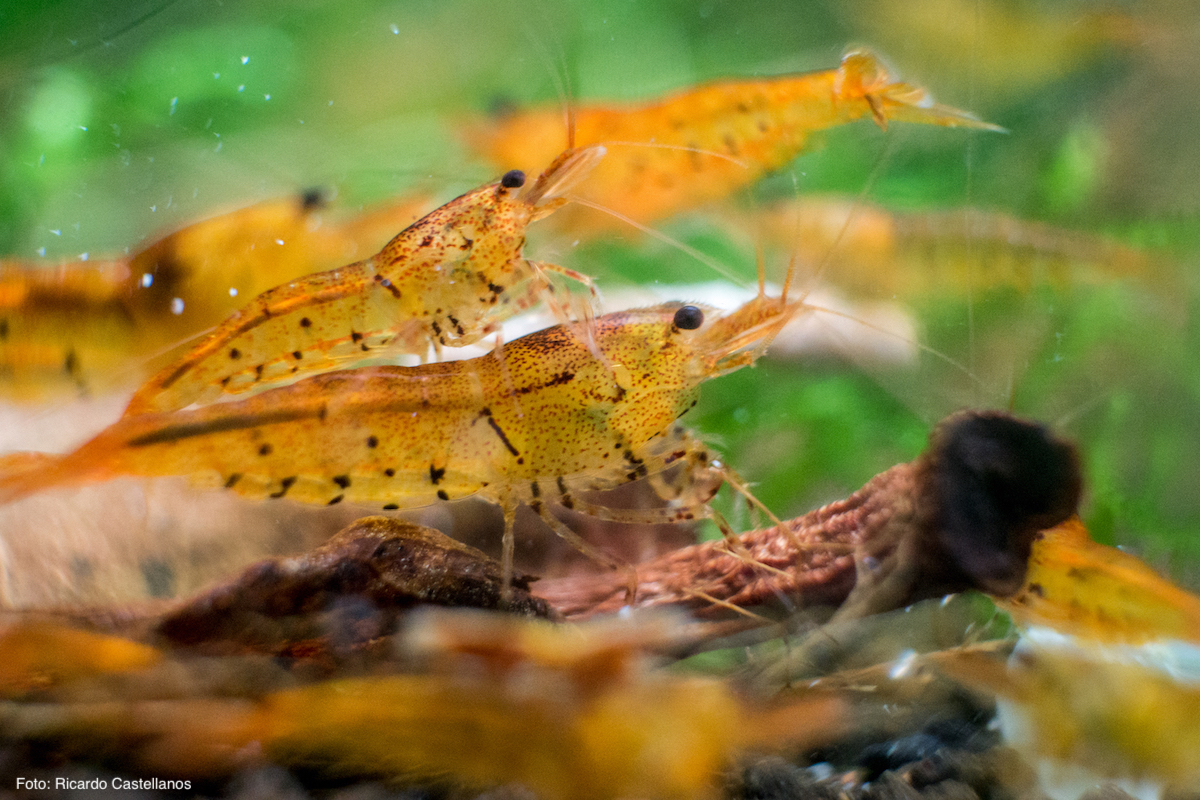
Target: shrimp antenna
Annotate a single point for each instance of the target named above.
(868, 185)
(556, 64)
(706, 260)
(924, 348)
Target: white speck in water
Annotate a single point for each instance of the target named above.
(232, 291)
(267, 96)
(217, 149)
(83, 256)
(83, 127)
(174, 102)
(56, 231)
(154, 208)
(147, 280)
(41, 251)
(42, 159)
(245, 59)
(216, 76)
(395, 29)
(241, 87)
(208, 124)
(330, 102)
(177, 306)
(279, 242)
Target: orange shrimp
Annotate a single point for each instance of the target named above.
(539, 422)
(75, 327)
(447, 280)
(706, 142)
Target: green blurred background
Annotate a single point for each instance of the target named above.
(119, 121)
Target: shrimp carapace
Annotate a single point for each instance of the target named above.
(83, 327)
(447, 280)
(548, 418)
(706, 142)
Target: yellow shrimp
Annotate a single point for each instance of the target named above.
(548, 417)
(448, 279)
(79, 327)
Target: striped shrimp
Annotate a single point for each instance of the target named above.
(447, 280)
(539, 423)
(706, 142)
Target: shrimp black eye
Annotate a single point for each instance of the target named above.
(689, 318)
(513, 179)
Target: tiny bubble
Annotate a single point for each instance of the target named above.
(245, 59)
(174, 102)
(267, 96)
(83, 256)
(232, 292)
(147, 280)
(177, 306)
(241, 87)
(41, 251)
(279, 242)
(154, 208)
(56, 231)
(216, 76)
(83, 127)
(217, 149)
(395, 29)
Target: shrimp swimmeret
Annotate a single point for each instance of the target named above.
(448, 279)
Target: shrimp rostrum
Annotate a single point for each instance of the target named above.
(542, 421)
(447, 280)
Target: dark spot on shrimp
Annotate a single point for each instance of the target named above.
(372, 442)
(284, 485)
(390, 507)
(513, 179)
(336, 500)
(265, 450)
(342, 481)
(387, 284)
(495, 289)
(535, 490)
(437, 329)
(297, 354)
(487, 412)
(258, 372)
(428, 240)
(71, 362)
(305, 322)
(232, 480)
(3, 329)
(436, 475)
(442, 495)
(356, 337)
(391, 473)
(731, 145)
